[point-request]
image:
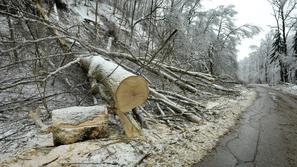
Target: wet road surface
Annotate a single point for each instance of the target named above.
(266, 136)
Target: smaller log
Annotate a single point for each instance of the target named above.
(75, 124)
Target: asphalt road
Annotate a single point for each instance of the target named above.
(266, 136)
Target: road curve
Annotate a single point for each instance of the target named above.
(266, 136)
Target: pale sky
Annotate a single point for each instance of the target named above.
(256, 12)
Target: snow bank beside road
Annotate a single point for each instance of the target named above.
(286, 87)
(184, 148)
(160, 146)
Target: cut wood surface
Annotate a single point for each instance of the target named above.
(79, 123)
(127, 89)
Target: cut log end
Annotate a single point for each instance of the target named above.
(132, 92)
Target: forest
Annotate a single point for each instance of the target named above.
(89, 69)
(274, 61)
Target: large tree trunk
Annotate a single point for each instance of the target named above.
(75, 124)
(126, 89)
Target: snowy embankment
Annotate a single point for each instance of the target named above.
(160, 145)
(286, 87)
(105, 13)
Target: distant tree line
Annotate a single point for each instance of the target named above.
(275, 60)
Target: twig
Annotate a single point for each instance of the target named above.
(62, 68)
(156, 53)
(160, 109)
(142, 159)
(47, 163)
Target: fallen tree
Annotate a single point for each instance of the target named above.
(126, 89)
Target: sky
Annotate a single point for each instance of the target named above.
(256, 12)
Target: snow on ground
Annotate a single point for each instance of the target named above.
(286, 87)
(84, 13)
(106, 12)
(4, 26)
(160, 145)
(289, 88)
